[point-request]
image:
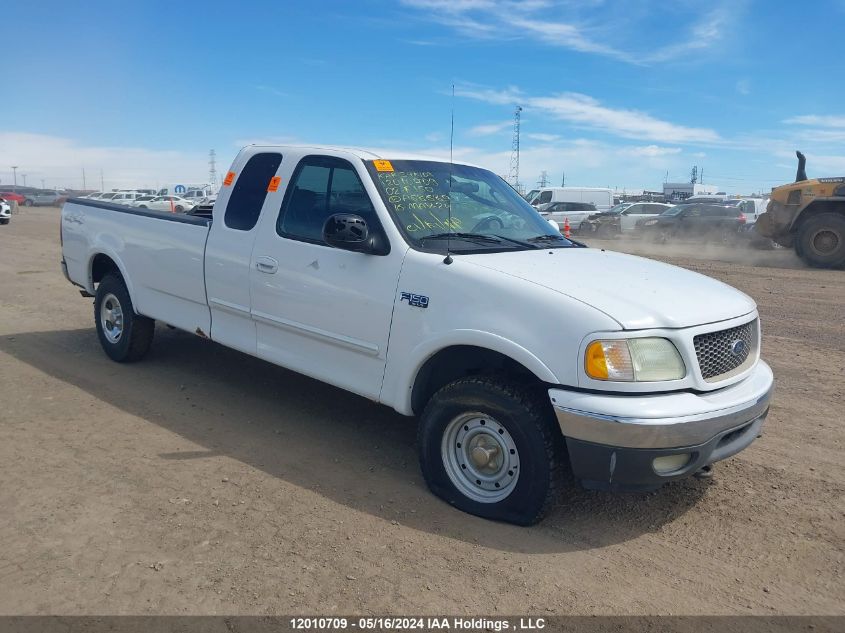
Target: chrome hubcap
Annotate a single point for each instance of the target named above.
(480, 457)
(111, 318)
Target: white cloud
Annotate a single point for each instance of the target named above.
(543, 138)
(541, 20)
(819, 120)
(60, 161)
(585, 111)
(490, 129)
(650, 151)
(743, 87)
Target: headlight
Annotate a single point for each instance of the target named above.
(637, 359)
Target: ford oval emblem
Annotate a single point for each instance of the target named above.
(738, 347)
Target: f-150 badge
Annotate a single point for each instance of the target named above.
(419, 301)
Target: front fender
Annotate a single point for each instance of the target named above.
(400, 378)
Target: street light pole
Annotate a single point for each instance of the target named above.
(15, 177)
(24, 179)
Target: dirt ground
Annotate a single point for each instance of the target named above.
(204, 481)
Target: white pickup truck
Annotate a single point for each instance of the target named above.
(433, 288)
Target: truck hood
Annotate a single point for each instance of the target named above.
(636, 292)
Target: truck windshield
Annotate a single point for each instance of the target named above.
(475, 209)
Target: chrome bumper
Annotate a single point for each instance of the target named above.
(660, 421)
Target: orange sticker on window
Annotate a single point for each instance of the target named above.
(229, 179)
(274, 183)
(383, 165)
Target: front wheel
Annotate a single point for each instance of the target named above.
(491, 448)
(124, 336)
(821, 241)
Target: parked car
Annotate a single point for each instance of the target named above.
(519, 349)
(575, 212)
(42, 199)
(601, 197)
(142, 200)
(126, 197)
(622, 218)
(5, 212)
(177, 204)
(698, 221)
(11, 196)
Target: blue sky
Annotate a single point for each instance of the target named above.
(614, 93)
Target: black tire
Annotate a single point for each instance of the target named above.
(528, 419)
(136, 337)
(821, 241)
(27, 203)
(179, 208)
(4, 221)
(142, 206)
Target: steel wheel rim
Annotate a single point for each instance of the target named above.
(825, 241)
(111, 318)
(480, 457)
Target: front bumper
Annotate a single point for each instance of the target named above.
(613, 439)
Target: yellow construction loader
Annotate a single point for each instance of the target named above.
(808, 215)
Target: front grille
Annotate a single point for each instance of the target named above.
(726, 353)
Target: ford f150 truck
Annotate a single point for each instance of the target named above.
(433, 288)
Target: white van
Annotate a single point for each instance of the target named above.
(601, 197)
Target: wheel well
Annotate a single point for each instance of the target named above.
(816, 208)
(458, 361)
(102, 266)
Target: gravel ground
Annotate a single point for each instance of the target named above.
(204, 481)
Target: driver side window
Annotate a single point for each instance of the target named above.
(321, 187)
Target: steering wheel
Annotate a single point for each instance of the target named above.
(488, 222)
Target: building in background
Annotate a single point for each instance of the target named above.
(676, 191)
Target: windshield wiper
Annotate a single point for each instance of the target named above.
(470, 237)
(546, 238)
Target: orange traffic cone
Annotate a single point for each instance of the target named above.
(172, 210)
(566, 227)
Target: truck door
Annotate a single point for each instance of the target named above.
(319, 310)
(228, 251)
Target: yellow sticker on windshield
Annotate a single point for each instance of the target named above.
(383, 165)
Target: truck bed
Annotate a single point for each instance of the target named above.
(165, 252)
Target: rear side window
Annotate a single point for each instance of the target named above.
(250, 190)
(321, 187)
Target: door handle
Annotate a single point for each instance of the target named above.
(266, 265)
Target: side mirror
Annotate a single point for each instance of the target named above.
(350, 232)
(347, 231)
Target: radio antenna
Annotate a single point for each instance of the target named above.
(448, 260)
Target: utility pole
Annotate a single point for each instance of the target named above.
(513, 176)
(701, 178)
(212, 169)
(102, 183)
(15, 177)
(563, 179)
(24, 179)
(544, 179)
(693, 177)
(84, 186)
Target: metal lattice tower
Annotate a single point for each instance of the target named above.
(212, 169)
(544, 179)
(513, 176)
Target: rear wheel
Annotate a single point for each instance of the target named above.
(821, 241)
(491, 448)
(125, 336)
